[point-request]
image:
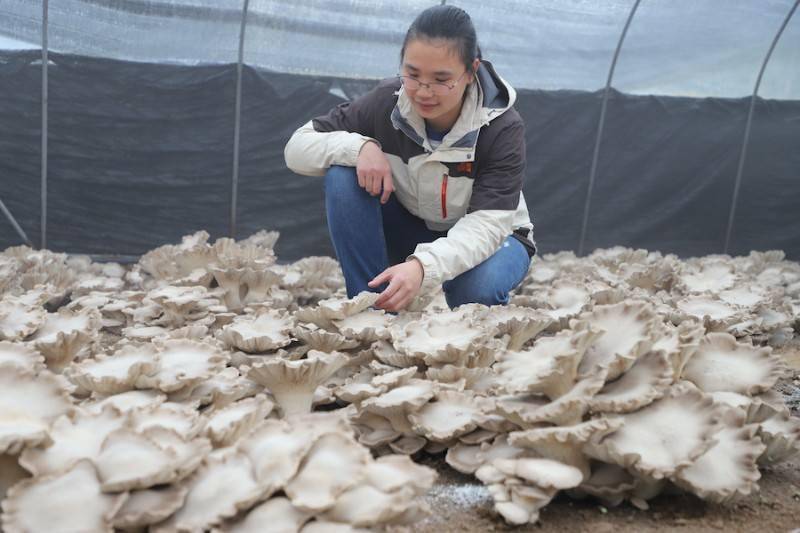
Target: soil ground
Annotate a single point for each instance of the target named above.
(461, 503)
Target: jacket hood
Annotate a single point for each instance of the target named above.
(488, 97)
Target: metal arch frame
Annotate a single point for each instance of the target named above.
(45, 99)
(237, 123)
(746, 141)
(601, 125)
(14, 223)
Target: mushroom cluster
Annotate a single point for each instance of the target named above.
(208, 387)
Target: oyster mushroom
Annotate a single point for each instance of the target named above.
(440, 341)
(521, 487)
(182, 419)
(714, 314)
(628, 331)
(322, 340)
(262, 333)
(119, 372)
(335, 463)
(19, 355)
(65, 492)
(366, 326)
(226, 425)
(647, 442)
(18, 319)
(11, 473)
(452, 414)
(712, 277)
(728, 469)
(520, 323)
(150, 506)
(222, 487)
(63, 334)
(647, 380)
(549, 367)
(77, 436)
(184, 363)
(396, 404)
(722, 364)
(781, 434)
(293, 383)
(29, 403)
(279, 513)
(128, 460)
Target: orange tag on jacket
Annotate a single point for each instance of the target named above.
(465, 167)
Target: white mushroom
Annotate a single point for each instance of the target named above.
(119, 372)
(520, 323)
(648, 379)
(184, 363)
(450, 415)
(29, 403)
(20, 355)
(279, 513)
(322, 340)
(74, 502)
(628, 332)
(722, 364)
(293, 383)
(150, 506)
(128, 460)
(221, 488)
(440, 341)
(728, 469)
(261, 333)
(63, 334)
(648, 443)
(226, 425)
(396, 404)
(18, 320)
(367, 326)
(335, 463)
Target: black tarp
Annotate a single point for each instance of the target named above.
(140, 154)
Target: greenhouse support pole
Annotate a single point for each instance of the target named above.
(746, 140)
(237, 122)
(13, 221)
(596, 156)
(43, 222)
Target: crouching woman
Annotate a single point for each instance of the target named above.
(424, 174)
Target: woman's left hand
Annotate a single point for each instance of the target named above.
(404, 281)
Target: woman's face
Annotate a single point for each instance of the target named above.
(432, 61)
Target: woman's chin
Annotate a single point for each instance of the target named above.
(426, 110)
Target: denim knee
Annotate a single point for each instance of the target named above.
(341, 180)
(466, 289)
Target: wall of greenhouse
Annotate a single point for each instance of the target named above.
(671, 125)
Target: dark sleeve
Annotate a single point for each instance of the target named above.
(501, 175)
(357, 116)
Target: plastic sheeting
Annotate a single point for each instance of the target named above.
(674, 47)
(141, 154)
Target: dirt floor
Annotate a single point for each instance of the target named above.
(462, 504)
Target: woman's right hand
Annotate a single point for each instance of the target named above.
(373, 171)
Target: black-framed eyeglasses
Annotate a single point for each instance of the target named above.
(439, 88)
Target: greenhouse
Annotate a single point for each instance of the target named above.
(182, 311)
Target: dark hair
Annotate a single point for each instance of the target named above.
(446, 22)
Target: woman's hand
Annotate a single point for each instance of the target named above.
(374, 171)
(404, 280)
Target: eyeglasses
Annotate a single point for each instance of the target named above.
(438, 88)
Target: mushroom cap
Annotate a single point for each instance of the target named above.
(322, 340)
(334, 463)
(128, 460)
(226, 425)
(723, 364)
(341, 308)
(628, 333)
(20, 355)
(18, 319)
(222, 487)
(648, 379)
(367, 326)
(149, 506)
(184, 363)
(647, 442)
(29, 403)
(119, 372)
(279, 513)
(440, 340)
(257, 334)
(451, 415)
(64, 492)
(293, 383)
(728, 469)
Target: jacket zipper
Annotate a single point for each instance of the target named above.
(444, 196)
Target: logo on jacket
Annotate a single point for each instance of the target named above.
(465, 167)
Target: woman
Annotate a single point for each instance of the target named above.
(423, 174)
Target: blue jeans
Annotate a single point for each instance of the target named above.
(369, 237)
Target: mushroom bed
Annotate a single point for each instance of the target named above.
(210, 388)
